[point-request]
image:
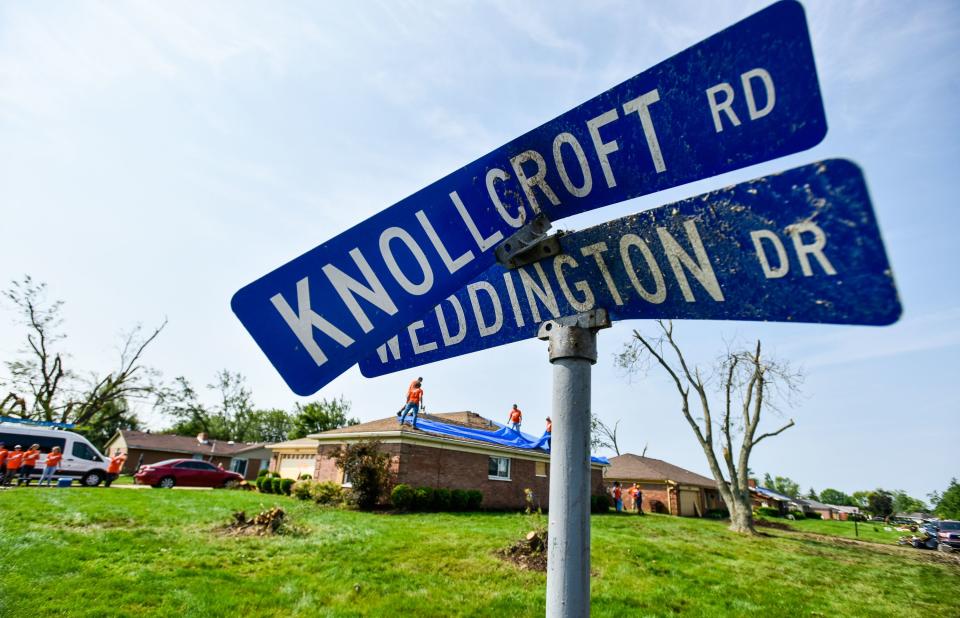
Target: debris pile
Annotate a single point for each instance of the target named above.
(529, 553)
(265, 523)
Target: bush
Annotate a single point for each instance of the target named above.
(474, 499)
(441, 500)
(717, 514)
(766, 511)
(403, 497)
(263, 472)
(264, 484)
(459, 500)
(797, 514)
(599, 503)
(327, 492)
(305, 477)
(302, 490)
(366, 467)
(423, 498)
(813, 515)
(275, 485)
(285, 485)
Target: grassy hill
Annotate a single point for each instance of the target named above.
(125, 552)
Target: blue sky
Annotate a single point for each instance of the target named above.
(157, 157)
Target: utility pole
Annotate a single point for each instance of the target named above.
(573, 351)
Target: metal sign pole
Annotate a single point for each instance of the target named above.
(573, 350)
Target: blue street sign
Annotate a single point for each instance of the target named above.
(801, 246)
(743, 96)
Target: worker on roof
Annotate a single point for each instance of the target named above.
(14, 458)
(516, 417)
(27, 464)
(549, 426)
(414, 401)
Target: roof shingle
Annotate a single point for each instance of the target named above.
(630, 466)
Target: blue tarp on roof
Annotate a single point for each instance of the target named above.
(504, 436)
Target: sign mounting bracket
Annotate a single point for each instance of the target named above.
(529, 244)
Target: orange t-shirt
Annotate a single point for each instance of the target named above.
(617, 493)
(3, 456)
(53, 459)
(549, 426)
(30, 457)
(115, 464)
(14, 459)
(516, 415)
(414, 395)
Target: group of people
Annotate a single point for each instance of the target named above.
(20, 464)
(634, 492)
(515, 418)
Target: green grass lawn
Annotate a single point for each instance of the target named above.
(122, 552)
(864, 530)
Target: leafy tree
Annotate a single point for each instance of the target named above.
(749, 383)
(860, 498)
(902, 503)
(43, 387)
(782, 484)
(232, 418)
(812, 495)
(270, 426)
(880, 502)
(320, 416)
(365, 465)
(836, 497)
(947, 504)
(113, 416)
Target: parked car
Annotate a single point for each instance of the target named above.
(948, 533)
(81, 460)
(185, 473)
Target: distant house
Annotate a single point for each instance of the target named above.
(768, 498)
(143, 448)
(430, 459)
(826, 511)
(845, 512)
(666, 488)
(294, 458)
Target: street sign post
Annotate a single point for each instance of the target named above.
(800, 246)
(743, 96)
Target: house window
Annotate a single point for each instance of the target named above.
(541, 468)
(239, 466)
(499, 469)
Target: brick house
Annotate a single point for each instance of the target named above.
(293, 458)
(143, 448)
(425, 459)
(666, 488)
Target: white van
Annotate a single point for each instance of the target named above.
(81, 460)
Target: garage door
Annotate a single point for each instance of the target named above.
(292, 466)
(689, 503)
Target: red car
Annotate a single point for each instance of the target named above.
(186, 473)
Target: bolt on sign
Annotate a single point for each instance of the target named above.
(746, 95)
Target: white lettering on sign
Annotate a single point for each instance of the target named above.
(386, 250)
(783, 263)
(815, 249)
(543, 292)
(393, 345)
(419, 348)
(571, 140)
(485, 329)
(452, 265)
(448, 339)
(725, 104)
(514, 301)
(659, 294)
(641, 105)
(482, 243)
(680, 259)
(494, 175)
(601, 147)
(581, 286)
(537, 180)
(304, 320)
(349, 288)
(597, 250)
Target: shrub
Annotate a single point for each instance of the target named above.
(327, 492)
(423, 498)
(285, 485)
(305, 477)
(766, 511)
(275, 485)
(366, 467)
(442, 499)
(813, 515)
(474, 499)
(599, 503)
(263, 472)
(797, 514)
(302, 490)
(403, 497)
(264, 484)
(459, 500)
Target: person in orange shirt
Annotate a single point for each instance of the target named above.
(516, 417)
(618, 496)
(14, 458)
(549, 426)
(114, 467)
(414, 401)
(29, 462)
(637, 496)
(3, 462)
(50, 466)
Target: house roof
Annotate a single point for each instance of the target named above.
(293, 444)
(147, 441)
(463, 419)
(630, 466)
(813, 504)
(769, 493)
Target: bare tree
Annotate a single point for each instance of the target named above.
(55, 392)
(603, 435)
(749, 384)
